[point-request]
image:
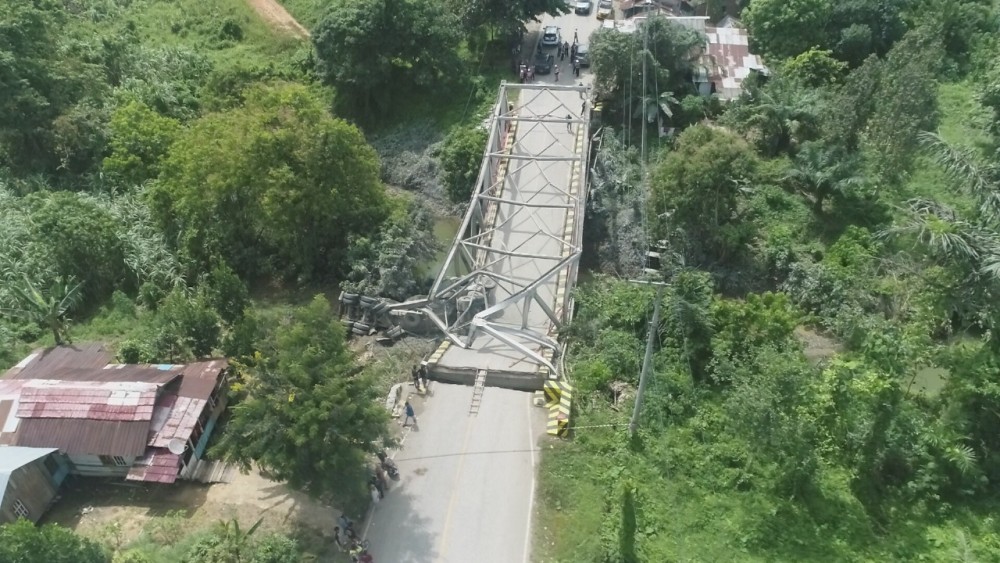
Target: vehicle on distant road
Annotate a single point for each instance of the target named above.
(583, 54)
(543, 63)
(551, 36)
(583, 7)
(605, 10)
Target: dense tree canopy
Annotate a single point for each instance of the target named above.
(852, 29)
(23, 542)
(309, 417)
(368, 50)
(698, 188)
(38, 85)
(504, 18)
(279, 188)
(617, 57)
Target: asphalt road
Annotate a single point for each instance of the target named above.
(466, 482)
(569, 23)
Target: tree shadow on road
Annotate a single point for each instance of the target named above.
(398, 532)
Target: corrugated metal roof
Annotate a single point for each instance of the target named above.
(85, 437)
(14, 457)
(182, 417)
(109, 373)
(91, 355)
(158, 466)
(200, 378)
(70, 398)
(124, 401)
(729, 50)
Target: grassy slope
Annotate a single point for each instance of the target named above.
(194, 24)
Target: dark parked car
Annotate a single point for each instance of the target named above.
(583, 55)
(582, 7)
(543, 63)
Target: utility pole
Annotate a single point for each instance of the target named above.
(647, 360)
(654, 326)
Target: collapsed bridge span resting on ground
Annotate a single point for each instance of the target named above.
(505, 288)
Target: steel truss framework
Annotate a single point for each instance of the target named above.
(555, 167)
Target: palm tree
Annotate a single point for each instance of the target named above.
(650, 107)
(48, 309)
(688, 314)
(822, 171)
(776, 117)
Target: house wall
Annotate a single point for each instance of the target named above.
(94, 466)
(221, 398)
(33, 486)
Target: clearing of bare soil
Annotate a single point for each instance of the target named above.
(89, 509)
(817, 347)
(278, 17)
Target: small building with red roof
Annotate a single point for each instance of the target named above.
(139, 421)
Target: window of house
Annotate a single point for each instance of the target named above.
(19, 509)
(113, 460)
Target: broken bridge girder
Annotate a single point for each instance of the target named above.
(521, 229)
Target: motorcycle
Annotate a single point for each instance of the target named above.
(390, 466)
(359, 553)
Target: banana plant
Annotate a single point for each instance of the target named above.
(47, 308)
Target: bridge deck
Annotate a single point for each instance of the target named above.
(537, 221)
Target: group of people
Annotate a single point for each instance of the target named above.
(419, 375)
(526, 71)
(347, 540)
(567, 50)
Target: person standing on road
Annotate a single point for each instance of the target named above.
(557, 73)
(576, 38)
(336, 538)
(410, 414)
(569, 123)
(565, 47)
(576, 67)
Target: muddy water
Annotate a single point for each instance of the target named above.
(445, 229)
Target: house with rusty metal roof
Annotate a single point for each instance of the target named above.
(141, 422)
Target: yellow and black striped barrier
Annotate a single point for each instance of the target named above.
(559, 396)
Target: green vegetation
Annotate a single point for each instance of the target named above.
(180, 179)
(309, 416)
(22, 541)
(825, 362)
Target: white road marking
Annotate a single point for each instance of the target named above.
(531, 496)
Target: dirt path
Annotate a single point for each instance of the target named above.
(89, 507)
(279, 18)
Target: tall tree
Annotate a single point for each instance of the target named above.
(905, 104)
(505, 18)
(139, 141)
(83, 237)
(781, 29)
(822, 171)
(309, 416)
(40, 83)
(668, 49)
(698, 186)
(277, 187)
(367, 50)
